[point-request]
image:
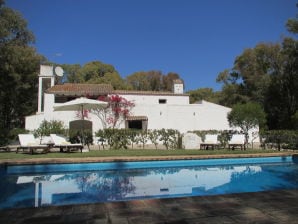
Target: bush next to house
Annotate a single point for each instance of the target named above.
(169, 138)
(50, 127)
(122, 138)
(280, 139)
(84, 137)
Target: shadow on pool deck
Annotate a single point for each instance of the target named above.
(262, 207)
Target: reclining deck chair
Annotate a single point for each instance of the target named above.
(237, 140)
(60, 142)
(210, 141)
(28, 142)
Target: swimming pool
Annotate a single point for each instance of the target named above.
(61, 184)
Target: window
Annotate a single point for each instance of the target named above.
(162, 101)
(63, 99)
(135, 124)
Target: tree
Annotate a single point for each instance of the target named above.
(267, 75)
(19, 64)
(251, 74)
(49, 127)
(167, 81)
(114, 114)
(292, 24)
(246, 117)
(282, 95)
(72, 72)
(139, 81)
(97, 72)
(203, 94)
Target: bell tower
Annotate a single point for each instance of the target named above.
(46, 79)
(178, 87)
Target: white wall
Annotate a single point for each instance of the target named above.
(185, 118)
(154, 99)
(177, 114)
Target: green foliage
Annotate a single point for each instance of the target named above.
(122, 138)
(267, 75)
(50, 127)
(13, 133)
(95, 72)
(203, 94)
(281, 139)
(292, 24)
(246, 116)
(153, 136)
(84, 137)
(142, 137)
(223, 136)
(295, 120)
(169, 138)
(282, 96)
(116, 138)
(151, 81)
(19, 64)
(133, 137)
(11, 136)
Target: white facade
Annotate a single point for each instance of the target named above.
(169, 110)
(176, 113)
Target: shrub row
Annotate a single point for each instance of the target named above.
(280, 139)
(122, 138)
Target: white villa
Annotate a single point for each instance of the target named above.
(153, 110)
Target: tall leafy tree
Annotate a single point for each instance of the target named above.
(292, 24)
(203, 94)
(249, 79)
(167, 81)
(246, 117)
(71, 71)
(282, 96)
(19, 64)
(152, 81)
(267, 75)
(139, 81)
(100, 73)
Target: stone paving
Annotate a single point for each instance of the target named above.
(260, 208)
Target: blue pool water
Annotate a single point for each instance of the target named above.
(61, 184)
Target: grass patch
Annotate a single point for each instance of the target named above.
(123, 153)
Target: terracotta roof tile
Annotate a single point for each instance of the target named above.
(78, 89)
(177, 81)
(138, 92)
(137, 118)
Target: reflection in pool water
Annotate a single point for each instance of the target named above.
(35, 188)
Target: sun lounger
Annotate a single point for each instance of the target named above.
(63, 144)
(28, 142)
(210, 141)
(237, 140)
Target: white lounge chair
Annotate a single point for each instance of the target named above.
(28, 142)
(237, 140)
(210, 141)
(62, 143)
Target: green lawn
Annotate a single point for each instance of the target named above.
(134, 152)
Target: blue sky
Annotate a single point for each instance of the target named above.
(195, 38)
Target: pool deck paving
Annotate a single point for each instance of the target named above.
(262, 208)
(259, 207)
